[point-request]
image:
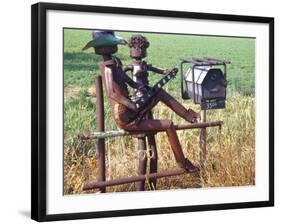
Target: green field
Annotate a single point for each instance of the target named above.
(164, 51)
(80, 69)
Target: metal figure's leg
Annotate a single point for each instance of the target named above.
(153, 155)
(176, 146)
(177, 107)
(164, 97)
(142, 162)
(153, 159)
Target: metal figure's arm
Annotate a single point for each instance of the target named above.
(156, 70)
(128, 79)
(127, 68)
(161, 71)
(131, 82)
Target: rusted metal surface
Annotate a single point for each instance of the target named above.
(110, 134)
(203, 140)
(153, 154)
(138, 45)
(204, 61)
(133, 179)
(142, 162)
(100, 128)
(153, 159)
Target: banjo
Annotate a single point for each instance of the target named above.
(143, 102)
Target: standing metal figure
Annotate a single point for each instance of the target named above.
(125, 112)
(139, 69)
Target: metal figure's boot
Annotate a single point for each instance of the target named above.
(190, 168)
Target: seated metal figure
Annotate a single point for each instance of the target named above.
(125, 113)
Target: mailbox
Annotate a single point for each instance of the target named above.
(205, 82)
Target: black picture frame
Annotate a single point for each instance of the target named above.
(39, 114)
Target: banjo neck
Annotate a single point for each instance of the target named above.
(142, 101)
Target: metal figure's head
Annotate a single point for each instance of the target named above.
(105, 42)
(138, 45)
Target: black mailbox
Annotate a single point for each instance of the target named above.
(205, 82)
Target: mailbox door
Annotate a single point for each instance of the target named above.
(214, 85)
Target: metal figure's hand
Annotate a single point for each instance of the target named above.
(172, 70)
(132, 106)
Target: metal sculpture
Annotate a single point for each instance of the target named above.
(125, 112)
(133, 119)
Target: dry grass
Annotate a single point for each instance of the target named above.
(230, 153)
